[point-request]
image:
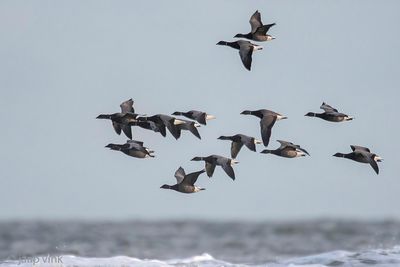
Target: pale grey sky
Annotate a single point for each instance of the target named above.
(65, 62)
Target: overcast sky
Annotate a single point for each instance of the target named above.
(64, 62)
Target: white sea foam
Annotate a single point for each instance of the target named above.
(368, 258)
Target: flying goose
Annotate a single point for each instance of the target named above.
(188, 126)
(168, 121)
(287, 150)
(363, 155)
(199, 116)
(238, 140)
(121, 120)
(132, 148)
(245, 50)
(330, 114)
(214, 160)
(185, 182)
(258, 30)
(268, 119)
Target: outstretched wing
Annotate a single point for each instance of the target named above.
(117, 127)
(248, 142)
(235, 148)
(210, 168)
(266, 125)
(359, 148)
(191, 178)
(373, 163)
(180, 175)
(127, 131)
(228, 170)
(127, 106)
(328, 108)
(255, 21)
(246, 52)
(264, 28)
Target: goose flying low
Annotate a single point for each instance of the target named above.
(215, 160)
(287, 150)
(330, 114)
(185, 182)
(258, 30)
(238, 140)
(245, 50)
(363, 155)
(268, 119)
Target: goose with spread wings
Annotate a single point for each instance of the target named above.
(363, 155)
(330, 114)
(238, 140)
(215, 160)
(245, 50)
(185, 182)
(121, 121)
(287, 150)
(132, 148)
(268, 119)
(258, 30)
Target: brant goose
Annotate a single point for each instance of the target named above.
(185, 182)
(268, 119)
(258, 30)
(287, 150)
(121, 120)
(363, 155)
(214, 160)
(238, 140)
(245, 50)
(132, 148)
(330, 114)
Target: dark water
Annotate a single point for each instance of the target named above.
(234, 242)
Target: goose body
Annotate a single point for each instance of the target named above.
(330, 114)
(185, 182)
(238, 140)
(245, 50)
(215, 160)
(267, 121)
(258, 30)
(362, 155)
(121, 120)
(199, 116)
(132, 148)
(287, 150)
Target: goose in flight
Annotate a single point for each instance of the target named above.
(215, 160)
(132, 148)
(330, 114)
(287, 150)
(238, 140)
(185, 182)
(121, 120)
(245, 50)
(363, 155)
(258, 30)
(268, 119)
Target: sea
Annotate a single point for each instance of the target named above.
(314, 243)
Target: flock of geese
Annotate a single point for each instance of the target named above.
(124, 120)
